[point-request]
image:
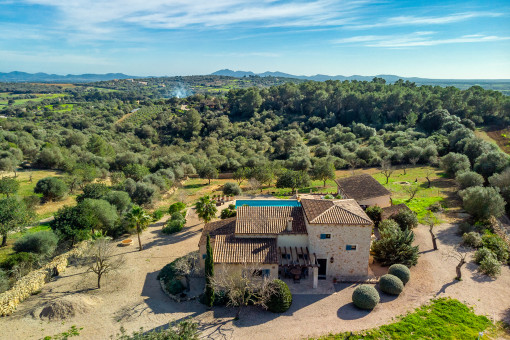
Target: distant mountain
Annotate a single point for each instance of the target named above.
(388, 77)
(19, 77)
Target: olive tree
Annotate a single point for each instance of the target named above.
(482, 202)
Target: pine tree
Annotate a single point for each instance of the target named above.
(209, 273)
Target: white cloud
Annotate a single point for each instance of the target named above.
(415, 39)
(416, 20)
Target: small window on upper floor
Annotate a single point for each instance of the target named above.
(351, 247)
(325, 236)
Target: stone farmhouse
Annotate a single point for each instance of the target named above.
(298, 239)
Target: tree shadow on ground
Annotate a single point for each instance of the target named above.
(448, 235)
(446, 285)
(195, 186)
(161, 239)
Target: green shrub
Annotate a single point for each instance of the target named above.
(388, 226)
(280, 298)
(497, 245)
(465, 227)
(482, 253)
(19, 259)
(167, 273)
(231, 189)
(157, 215)
(173, 227)
(391, 284)
(396, 247)
(328, 197)
(52, 188)
(406, 219)
(176, 207)
(365, 297)
(174, 287)
(374, 213)
(229, 212)
(42, 243)
(400, 271)
(4, 281)
(472, 239)
(490, 266)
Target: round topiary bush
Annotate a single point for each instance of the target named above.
(231, 189)
(391, 284)
(400, 271)
(280, 298)
(365, 297)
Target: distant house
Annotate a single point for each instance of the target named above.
(316, 238)
(365, 189)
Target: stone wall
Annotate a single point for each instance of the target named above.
(35, 280)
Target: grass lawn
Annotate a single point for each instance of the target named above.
(26, 188)
(7, 250)
(439, 190)
(442, 319)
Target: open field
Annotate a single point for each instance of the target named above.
(4, 98)
(501, 137)
(7, 250)
(27, 189)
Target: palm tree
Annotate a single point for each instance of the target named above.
(206, 209)
(140, 220)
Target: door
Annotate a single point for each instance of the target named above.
(322, 268)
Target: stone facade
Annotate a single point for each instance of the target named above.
(346, 263)
(35, 280)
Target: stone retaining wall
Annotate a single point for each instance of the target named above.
(35, 280)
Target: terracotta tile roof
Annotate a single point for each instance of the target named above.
(388, 212)
(361, 187)
(269, 220)
(231, 249)
(221, 227)
(341, 212)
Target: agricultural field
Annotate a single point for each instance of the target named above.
(5, 96)
(501, 137)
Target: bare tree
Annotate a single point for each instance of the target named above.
(428, 174)
(430, 219)
(458, 253)
(411, 190)
(244, 285)
(404, 167)
(186, 266)
(386, 169)
(254, 184)
(100, 258)
(414, 160)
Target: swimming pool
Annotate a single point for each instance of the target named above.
(268, 203)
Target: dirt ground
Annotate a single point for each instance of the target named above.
(133, 298)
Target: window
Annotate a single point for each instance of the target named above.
(325, 236)
(351, 247)
(204, 256)
(265, 272)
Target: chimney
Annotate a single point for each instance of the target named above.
(289, 224)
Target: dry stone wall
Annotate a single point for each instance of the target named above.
(35, 280)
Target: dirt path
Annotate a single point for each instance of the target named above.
(133, 299)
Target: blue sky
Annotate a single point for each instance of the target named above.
(435, 39)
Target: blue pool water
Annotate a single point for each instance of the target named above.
(268, 203)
